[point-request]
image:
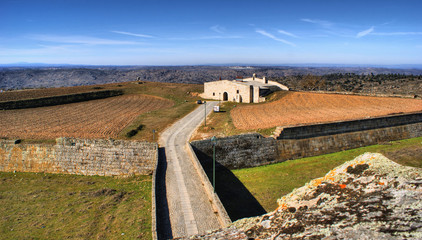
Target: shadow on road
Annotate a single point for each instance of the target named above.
(163, 217)
(236, 198)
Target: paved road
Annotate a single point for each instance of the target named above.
(189, 207)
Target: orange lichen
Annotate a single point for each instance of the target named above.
(282, 206)
(317, 182)
(342, 185)
(381, 183)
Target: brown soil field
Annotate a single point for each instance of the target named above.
(49, 92)
(103, 118)
(298, 108)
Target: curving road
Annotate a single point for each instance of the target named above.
(189, 208)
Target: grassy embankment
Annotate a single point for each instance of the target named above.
(271, 182)
(55, 206)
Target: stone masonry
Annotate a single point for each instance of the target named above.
(80, 156)
(250, 150)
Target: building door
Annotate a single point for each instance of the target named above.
(225, 96)
(251, 94)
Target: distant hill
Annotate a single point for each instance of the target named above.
(29, 76)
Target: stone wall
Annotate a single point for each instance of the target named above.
(251, 150)
(325, 129)
(246, 150)
(58, 100)
(80, 156)
(217, 205)
(307, 147)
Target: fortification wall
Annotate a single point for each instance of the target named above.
(253, 150)
(298, 148)
(324, 129)
(246, 150)
(58, 100)
(80, 156)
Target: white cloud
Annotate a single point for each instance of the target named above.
(323, 23)
(40, 50)
(396, 33)
(262, 32)
(203, 38)
(80, 40)
(218, 29)
(287, 33)
(133, 34)
(365, 32)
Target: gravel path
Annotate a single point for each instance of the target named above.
(190, 210)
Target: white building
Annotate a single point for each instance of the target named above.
(248, 90)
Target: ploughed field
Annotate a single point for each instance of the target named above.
(297, 108)
(103, 118)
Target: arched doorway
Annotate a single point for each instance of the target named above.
(225, 96)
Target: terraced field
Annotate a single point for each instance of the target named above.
(298, 108)
(103, 118)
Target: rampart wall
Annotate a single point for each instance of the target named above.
(251, 150)
(246, 150)
(325, 129)
(80, 156)
(58, 100)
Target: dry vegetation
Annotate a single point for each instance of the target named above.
(102, 118)
(298, 108)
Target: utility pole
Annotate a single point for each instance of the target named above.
(205, 115)
(214, 142)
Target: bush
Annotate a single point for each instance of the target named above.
(131, 133)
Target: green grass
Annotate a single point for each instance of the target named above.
(55, 206)
(271, 182)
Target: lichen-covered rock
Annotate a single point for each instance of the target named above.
(369, 197)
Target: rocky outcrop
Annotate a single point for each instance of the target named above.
(370, 197)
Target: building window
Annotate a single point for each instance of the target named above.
(213, 93)
(237, 91)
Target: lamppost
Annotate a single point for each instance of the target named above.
(214, 142)
(205, 115)
(153, 135)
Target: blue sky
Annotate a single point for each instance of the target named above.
(177, 32)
